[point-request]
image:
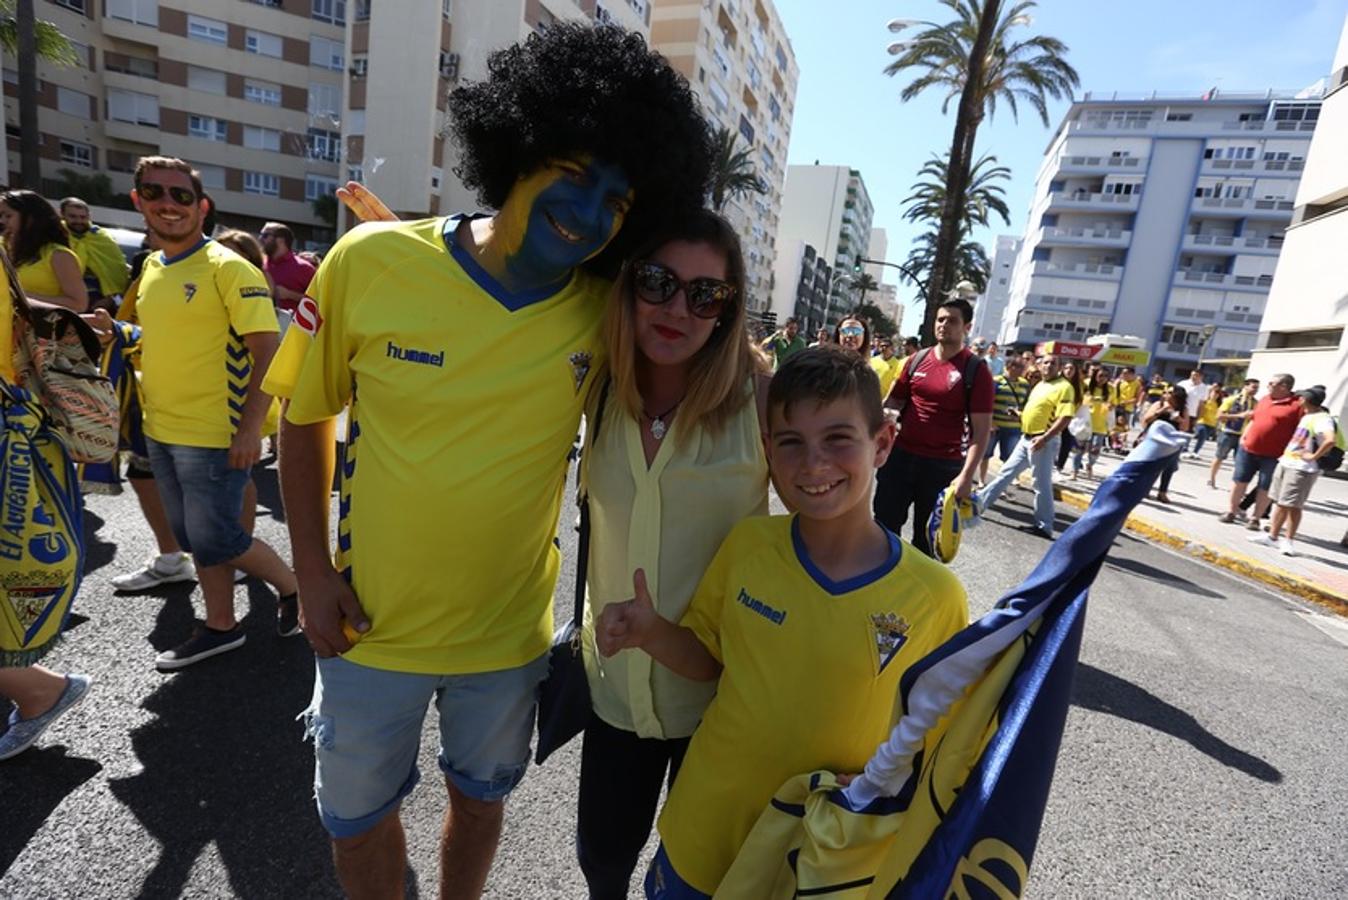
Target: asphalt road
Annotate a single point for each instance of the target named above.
(1203, 755)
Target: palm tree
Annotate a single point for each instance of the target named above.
(733, 174)
(27, 39)
(970, 262)
(863, 283)
(984, 196)
(974, 58)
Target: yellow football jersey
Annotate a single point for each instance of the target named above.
(1048, 402)
(811, 671)
(464, 402)
(888, 370)
(38, 277)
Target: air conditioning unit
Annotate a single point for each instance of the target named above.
(449, 66)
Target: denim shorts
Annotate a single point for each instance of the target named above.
(202, 497)
(366, 725)
(1250, 464)
(1227, 443)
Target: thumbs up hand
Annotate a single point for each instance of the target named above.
(627, 624)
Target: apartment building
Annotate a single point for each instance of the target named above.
(243, 90)
(1303, 330)
(828, 208)
(1162, 217)
(405, 58)
(738, 58)
(802, 279)
(991, 305)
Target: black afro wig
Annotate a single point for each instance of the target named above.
(580, 89)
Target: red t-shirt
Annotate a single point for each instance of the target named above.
(1272, 426)
(290, 271)
(932, 423)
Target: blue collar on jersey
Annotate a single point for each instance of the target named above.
(170, 260)
(856, 582)
(514, 301)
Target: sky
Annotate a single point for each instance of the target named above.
(848, 112)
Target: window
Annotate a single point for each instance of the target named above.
(262, 92)
(212, 31)
(262, 43)
(774, 108)
(256, 138)
(603, 16)
(141, 12)
(747, 130)
(131, 65)
(363, 10)
(207, 128)
(1179, 117)
(264, 183)
(323, 144)
(77, 154)
(325, 101)
(355, 173)
(76, 5)
(719, 98)
(317, 186)
(133, 107)
(211, 176)
(212, 81)
(72, 103)
(437, 176)
(83, 53)
(447, 7)
(333, 11)
(355, 122)
(360, 65)
(326, 54)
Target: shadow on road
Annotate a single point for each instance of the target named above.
(97, 552)
(268, 484)
(1100, 691)
(33, 786)
(1159, 575)
(223, 765)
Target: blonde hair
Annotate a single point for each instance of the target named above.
(719, 378)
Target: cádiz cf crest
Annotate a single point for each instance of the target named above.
(580, 367)
(891, 633)
(189, 291)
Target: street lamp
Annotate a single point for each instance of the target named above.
(1208, 331)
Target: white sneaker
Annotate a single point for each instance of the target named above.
(1262, 539)
(1287, 547)
(162, 569)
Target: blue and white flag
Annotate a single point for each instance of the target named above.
(951, 804)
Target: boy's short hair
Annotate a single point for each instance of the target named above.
(824, 374)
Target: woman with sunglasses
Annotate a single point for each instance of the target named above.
(37, 243)
(853, 334)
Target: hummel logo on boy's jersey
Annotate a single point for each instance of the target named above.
(775, 616)
(424, 357)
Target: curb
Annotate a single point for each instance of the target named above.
(1227, 559)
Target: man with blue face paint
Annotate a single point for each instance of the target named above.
(441, 586)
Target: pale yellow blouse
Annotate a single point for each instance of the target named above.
(668, 520)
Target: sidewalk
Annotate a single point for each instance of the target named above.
(1319, 571)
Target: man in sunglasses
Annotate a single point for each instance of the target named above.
(290, 273)
(208, 334)
(581, 139)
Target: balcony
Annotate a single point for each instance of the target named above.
(1193, 278)
(1103, 201)
(1269, 125)
(1085, 237)
(1103, 271)
(1243, 206)
(1101, 164)
(1251, 166)
(1225, 243)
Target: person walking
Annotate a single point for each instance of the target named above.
(785, 342)
(288, 272)
(1099, 400)
(886, 365)
(1049, 409)
(39, 248)
(1298, 469)
(1206, 426)
(1071, 373)
(1272, 423)
(1196, 391)
(1232, 417)
(944, 396)
(853, 334)
(1127, 392)
(1172, 408)
(996, 362)
(208, 333)
(557, 139)
(1010, 391)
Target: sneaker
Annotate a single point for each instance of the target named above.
(288, 615)
(1286, 547)
(1262, 540)
(1228, 518)
(1252, 525)
(165, 568)
(23, 733)
(203, 644)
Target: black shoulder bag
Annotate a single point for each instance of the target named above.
(564, 696)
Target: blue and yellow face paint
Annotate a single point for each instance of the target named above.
(560, 216)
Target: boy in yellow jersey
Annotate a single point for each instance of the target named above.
(820, 612)
(1047, 412)
(1127, 391)
(208, 333)
(455, 457)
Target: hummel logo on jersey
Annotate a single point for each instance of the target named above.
(423, 357)
(189, 291)
(775, 616)
(580, 367)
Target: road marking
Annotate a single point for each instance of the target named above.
(1333, 626)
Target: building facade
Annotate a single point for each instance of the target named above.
(990, 307)
(737, 56)
(243, 91)
(802, 279)
(828, 208)
(1161, 218)
(1303, 330)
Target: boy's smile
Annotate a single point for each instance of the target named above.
(824, 457)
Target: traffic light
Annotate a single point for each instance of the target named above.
(856, 266)
(770, 321)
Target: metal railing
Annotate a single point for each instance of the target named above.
(1093, 197)
(1107, 162)
(1223, 278)
(1111, 234)
(1043, 267)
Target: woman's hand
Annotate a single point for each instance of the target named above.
(364, 203)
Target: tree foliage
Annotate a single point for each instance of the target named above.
(733, 173)
(52, 45)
